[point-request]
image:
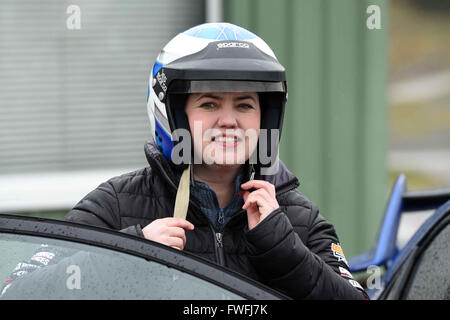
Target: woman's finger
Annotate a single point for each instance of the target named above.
(263, 202)
(178, 222)
(175, 242)
(259, 184)
(177, 232)
(259, 197)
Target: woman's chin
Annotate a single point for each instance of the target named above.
(227, 159)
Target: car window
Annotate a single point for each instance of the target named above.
(430, 278)
(58, 269)
(409, 223)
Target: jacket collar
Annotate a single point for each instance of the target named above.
(283, 180)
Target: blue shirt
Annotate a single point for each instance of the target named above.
(207, 199)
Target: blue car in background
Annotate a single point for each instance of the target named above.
(421, 268)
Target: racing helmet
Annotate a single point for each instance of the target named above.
(214, 57)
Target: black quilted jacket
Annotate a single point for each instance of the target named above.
(294, 250)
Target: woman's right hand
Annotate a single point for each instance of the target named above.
(168, 231)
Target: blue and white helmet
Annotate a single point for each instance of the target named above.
(212, 57)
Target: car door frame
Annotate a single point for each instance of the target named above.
(125, 243)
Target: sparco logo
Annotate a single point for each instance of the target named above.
(232, 45)
(162, 80)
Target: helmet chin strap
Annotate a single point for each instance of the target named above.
(183, 193)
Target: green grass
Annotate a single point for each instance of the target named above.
(409, 122)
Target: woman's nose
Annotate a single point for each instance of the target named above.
(227, 119)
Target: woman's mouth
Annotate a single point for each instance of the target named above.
(226, 141)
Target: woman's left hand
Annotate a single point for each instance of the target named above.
(260, 202)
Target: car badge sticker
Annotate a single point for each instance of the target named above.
(355, 284)
(345, 273)
(338, 253)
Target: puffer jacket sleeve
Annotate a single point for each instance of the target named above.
(313, 270)
(101, 208)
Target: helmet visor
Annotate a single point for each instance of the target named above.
(200, 86)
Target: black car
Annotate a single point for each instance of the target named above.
(53, 259)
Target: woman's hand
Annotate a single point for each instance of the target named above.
(168, 231)
(260, 202)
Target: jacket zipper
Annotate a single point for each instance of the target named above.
(218, 236)
(221, 217)
(219, 245)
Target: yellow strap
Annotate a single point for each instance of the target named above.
(182, 199)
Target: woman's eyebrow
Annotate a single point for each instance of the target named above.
(245, 97)
(208, 96)
(212, 96)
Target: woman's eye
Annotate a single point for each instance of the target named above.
(208, 105)
(245, 106)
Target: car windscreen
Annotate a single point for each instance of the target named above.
(421, 269)
(430, 277)
(42, 268)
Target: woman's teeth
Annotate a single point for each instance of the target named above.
(225, 139)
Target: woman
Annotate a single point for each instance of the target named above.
(228, 199)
